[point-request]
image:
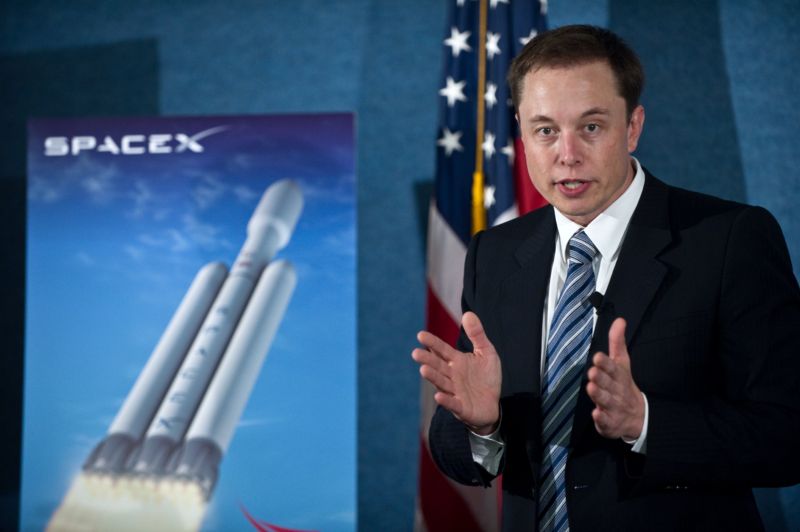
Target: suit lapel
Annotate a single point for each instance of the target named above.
(639, 273)
(522, 295)
(635, 281)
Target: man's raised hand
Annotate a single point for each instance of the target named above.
(619, 405)
(467, 384)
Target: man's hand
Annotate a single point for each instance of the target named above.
(619, 405)
(467, 384)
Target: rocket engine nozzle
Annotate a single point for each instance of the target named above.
(110, 455)
(198, 462)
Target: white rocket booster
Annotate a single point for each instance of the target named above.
(131, 421)
(215, 421)
(216, 317)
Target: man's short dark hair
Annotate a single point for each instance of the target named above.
(577, 45)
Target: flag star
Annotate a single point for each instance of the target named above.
(460, 3)
(488, 196)
(453, 91)
(543, 7)
(492, 44)
(450, 141)
(525, 40)
(494, 3)
(508, 151)
(458, 41)
(488, 144)
(491, 95)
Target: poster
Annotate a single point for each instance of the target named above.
(122, 215)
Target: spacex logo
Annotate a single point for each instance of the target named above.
(129, 144)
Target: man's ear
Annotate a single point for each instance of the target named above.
(635, 126)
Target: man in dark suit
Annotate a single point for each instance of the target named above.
(630, 355)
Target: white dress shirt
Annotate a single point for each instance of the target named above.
(607, 232)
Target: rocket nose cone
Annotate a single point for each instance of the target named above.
(279, 208)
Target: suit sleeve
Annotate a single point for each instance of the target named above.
(748, 432)
(448, 437)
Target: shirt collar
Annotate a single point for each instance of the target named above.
(608, 229)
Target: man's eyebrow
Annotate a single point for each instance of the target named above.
(540, 118)
(595, 111)
(588, 112)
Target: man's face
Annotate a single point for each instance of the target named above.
(578, 138)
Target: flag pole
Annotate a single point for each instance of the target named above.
(478, 210)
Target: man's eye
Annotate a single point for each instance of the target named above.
(591, 128)
(546, 131)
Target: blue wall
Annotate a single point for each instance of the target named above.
(721, 99)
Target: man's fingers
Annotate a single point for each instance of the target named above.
(474, 329)
(448, 401)
(599, 417)
(440, 381)
(600, 378)
(598, 395)
(602, 422)
(616, 339)
(603, 363)
(433, 369)
(612, 390)
(437, 345)
(425, 356)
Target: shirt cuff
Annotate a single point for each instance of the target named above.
(487, 451)
(640, 443)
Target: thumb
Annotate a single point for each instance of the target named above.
(617, 349)
(474, 329)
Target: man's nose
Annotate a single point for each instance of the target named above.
(569, 150)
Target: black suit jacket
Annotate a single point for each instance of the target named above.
(713, 312)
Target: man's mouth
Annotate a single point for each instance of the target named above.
(572, 187)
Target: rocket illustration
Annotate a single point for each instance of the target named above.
(182, 411)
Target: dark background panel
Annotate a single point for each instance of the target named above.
(398, 75)
(113, 79)
(690, 132)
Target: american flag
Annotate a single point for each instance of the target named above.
(481, 180)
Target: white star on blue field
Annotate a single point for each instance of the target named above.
(113, 244)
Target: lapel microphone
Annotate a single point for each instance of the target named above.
(596, 299)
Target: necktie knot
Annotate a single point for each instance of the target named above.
(581, 249)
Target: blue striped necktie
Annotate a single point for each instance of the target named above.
(567, 348)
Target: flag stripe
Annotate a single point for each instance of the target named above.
(528, 198)
(446, 254)
(439, 320)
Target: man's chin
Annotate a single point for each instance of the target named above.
(581, 215)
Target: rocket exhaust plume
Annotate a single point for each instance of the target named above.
(104, 503)
(158, 463)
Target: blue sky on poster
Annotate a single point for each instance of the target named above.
(114, 242)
